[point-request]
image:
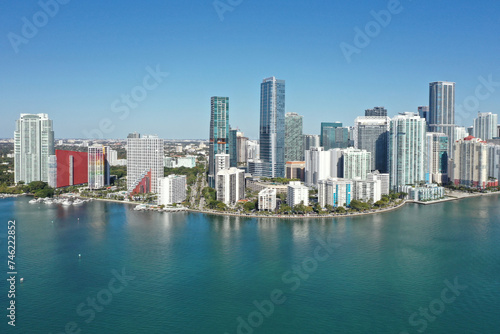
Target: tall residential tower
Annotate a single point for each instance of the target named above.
(219, 133)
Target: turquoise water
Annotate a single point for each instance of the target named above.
(196, 273)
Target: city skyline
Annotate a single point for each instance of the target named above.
(52, 74)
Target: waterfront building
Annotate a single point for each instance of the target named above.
(407, 137)
(485, 125)
(335, 192)
(267, 199)
(171, 189)
(68, 168)
(427, 192)
(33, 144)
(470, 163)
(356, 163)
(297, 193)
(144, 159)
(376, 112)
(367, 190)
(436, 170)
(442, 110)
(98, 167)
(384, 179)
(494, 161)
(295, 170)
(219, 133)
(272, 128)
(230, 185)
(372, 134)
(256, 184)
(293, 137)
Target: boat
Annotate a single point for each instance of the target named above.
(67, 203)
(78, 202)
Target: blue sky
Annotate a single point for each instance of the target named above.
(81, 61)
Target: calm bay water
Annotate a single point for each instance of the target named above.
(196, 273)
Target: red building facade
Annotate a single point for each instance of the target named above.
(72, 168)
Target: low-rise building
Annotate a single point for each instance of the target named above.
(172, 189)
(335, 192)
(427, 192)
(267, 199)
(297, 193)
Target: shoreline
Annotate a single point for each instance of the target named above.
(452, 196)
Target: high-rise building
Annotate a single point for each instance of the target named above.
(144, 157)
(498, 131)
(98, 167)
(485, 125)
(233, 147)
(297, 193)
(311, 141)
(442, 110)
(334, 135)
(356, 163)
(423, 111)
(171, 189)
(494, 161)
(407, 137)
(222, 161)
(71, 168)
(376, 111)
(436, 157)
(230, 185)
(372, 134)
(219, 133)
(241, 148)
(367, 190)
(335, 192)
(33, 144)
(470, 162)
(267, 199)
(112, 157)
(252, 148)
(384, 179)
(321, 164)
(293, 137)
(272, 127)
(460, 132)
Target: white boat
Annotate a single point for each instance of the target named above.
(78, 201)
(66, 203)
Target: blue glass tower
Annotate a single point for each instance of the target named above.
(272, 127)
(219, 133)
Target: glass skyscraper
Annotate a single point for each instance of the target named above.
(372, 134)
(442, 110)
(272, 127)
(33, 144)
(293, 137)
(233, 147)
(485, 125)
(219, 133)
(407, 139)
(333, 135)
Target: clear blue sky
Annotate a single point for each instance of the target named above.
(88, 54)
